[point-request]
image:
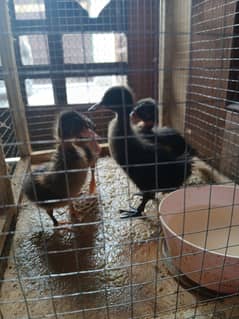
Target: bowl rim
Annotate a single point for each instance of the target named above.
(164, 224)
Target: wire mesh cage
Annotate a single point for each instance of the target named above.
(130, 210)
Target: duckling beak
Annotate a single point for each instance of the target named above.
(134, 118)
(95, 107)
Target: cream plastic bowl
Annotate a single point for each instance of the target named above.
(201, 228)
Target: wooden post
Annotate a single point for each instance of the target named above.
(142, 36)
(6, 198)
(55, 51)
(10, 194)
(174, 48)
(12, 81)
(6, 194)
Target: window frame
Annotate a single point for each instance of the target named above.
(54, 26)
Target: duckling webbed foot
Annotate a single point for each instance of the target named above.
(136, 212)
(59, 225)
(53, 218)
(133, 212)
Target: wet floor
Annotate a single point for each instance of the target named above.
(106, 268)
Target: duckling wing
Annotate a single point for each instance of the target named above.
(172, 140)
(154, 167)
(42, 185)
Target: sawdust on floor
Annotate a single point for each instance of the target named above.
(106, 268)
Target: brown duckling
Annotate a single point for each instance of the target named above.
(69, 127)
(57, 183)
(150, 166)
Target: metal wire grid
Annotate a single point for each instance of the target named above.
(198, 7)
(210, 75)
(7, 134)
(211, 62)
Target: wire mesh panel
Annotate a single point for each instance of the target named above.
(152, 229)
(213, 58)
(7, 134)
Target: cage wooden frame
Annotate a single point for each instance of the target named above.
(175, 37)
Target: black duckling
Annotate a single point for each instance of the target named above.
(55, 184)
(151, 167)
(144, 118)
(145, 114)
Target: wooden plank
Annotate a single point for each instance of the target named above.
(39, 157)
(56, 54)
(142, 40)
(174, 44)
(74, 70)
(6, 194)
(6, 198)
(12, 81)
(18, 178)
(8, 215)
